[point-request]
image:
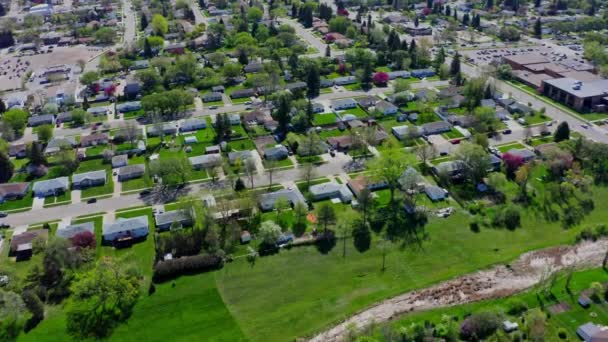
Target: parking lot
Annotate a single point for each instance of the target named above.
(489, 55)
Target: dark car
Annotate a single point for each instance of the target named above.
(506, 131)
(145, 192)
(4, 225)
(92, 200)
(3, 214)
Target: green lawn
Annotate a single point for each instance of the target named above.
(302, 185)
(453, 134)
(540, 141)
(328, 90)
(96, 191)
(328, 133)
(18, 204)
(358, 112)
(510, 146)
(324, 119)
(96, 150)
(352, 87)
(62, 199)
(279, 164)
(241, 145)
(137, 183)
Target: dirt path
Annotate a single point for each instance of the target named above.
(499, 281)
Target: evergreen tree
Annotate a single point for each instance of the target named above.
(393, 41)
(2, 107)
(413, 54)
(282, 112)
(455, 14)
(143, 22)
(310, 114)
(439, 59)
(243, 59)
(465, 19)
(313, 80)
(404, 45)
(254, 28)
(85, 103)
(448, 10)
(455, 66)
(429, 3)
(327, 51)
(562, 132)
(293, 61)
(147, 48)
(35, 154)
(6, 168)
(538, 29)
(490, 4)
(366, 76)
(417, 21)
(294, 10)
(369, 21)
(2, 10)
(537, 3)
(487, 94)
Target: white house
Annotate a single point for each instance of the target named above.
(125, 228)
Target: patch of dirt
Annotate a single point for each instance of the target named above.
(559, 308)
(496, 282)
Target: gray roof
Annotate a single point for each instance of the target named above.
(437, 126)
(343, 102)
(169, 217)
(383, 106)
(57, 143)
(130, 169)
(125, 224)
(400, 131)
(70, 231)
(206, 159)
(435, 193)
(98, 110)
(122, 158)
(41, 118)
(522, 152)
(194, 123)
(129, 106)
(93, 175)
(331, 189)
(242, 155)
(51, 184)
(276, 151)
(293, 196)
(587, 89)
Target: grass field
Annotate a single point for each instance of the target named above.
(358, 112)
(18, 204)
(506, 147)
(56, 200)
(569, 320)
(324, 119)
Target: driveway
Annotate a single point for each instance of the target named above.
(76, 195)
(38, 203)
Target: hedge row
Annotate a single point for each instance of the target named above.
(170, 269)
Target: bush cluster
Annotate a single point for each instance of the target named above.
(592, 233)
(479, 326)
(169, 269)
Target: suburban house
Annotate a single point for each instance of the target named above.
(326, 83)
(292, 196)
(367, 101)
(295, 86)
(422, 73)
(190, 139)
(89, 179)
(398, 74)
(361, 182)
(168, 128)
(241, 93)
(341, 143)
(17, 150)
(212, 97)
(525, 154)
(191, 125)
(436, 127)
(400, 132)
(278, 152)
(590, 332)
(253, 67)
(176, 218)
(94, 139)
(51, 187)
(127, 107)
(214, 149)
(141, 64)
(205, 161)
(21, 244)
(64, 117)
(120, 161)
(386, 108)
(125, 229)
(330, 190)
(239, 155)
(345, 80)
(176, 49)
(59, 143)
(39, 120)
(318, 108)
(98, 111)
(342, 104)
(131, 171)
(69, 231)
(435, 193)
(452, 168)
(11, 191)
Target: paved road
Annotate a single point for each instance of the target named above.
(310, 38)
(199, 17)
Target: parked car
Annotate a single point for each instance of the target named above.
(3, 214)
(145, 192)
(92, 200)
(5, 225)
(506, 131)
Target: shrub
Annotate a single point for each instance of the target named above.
(562, 334)
(517, 307)
(170, 269)
(511, 218)
(239, 185)
(479, 326)
(474, 225)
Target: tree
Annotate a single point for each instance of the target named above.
(160, 25)
(345, 230)
(6, 168)
(34, 306)
(327, 51)
(380, 78)
(269, 232)
(105, 35)
(45, 133)
(473, 92)
(2, 107)
(562, 132)
(388, 168)
(172, 170)
(475, 160)
(521, 178)
(102, 297)
(78, 116)
(35, 154)
(362, 236)
(490, 4)
(426, 152)
(307, 173)
(313, 80)
(401, 85)
(143, 24)
(147, 48)
(538, 30)
(326, 216)
(89, 78)
(300, 211)
(16, 119)
(13, 314)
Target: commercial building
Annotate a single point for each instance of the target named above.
(580, 95)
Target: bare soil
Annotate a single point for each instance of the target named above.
(499, 281)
